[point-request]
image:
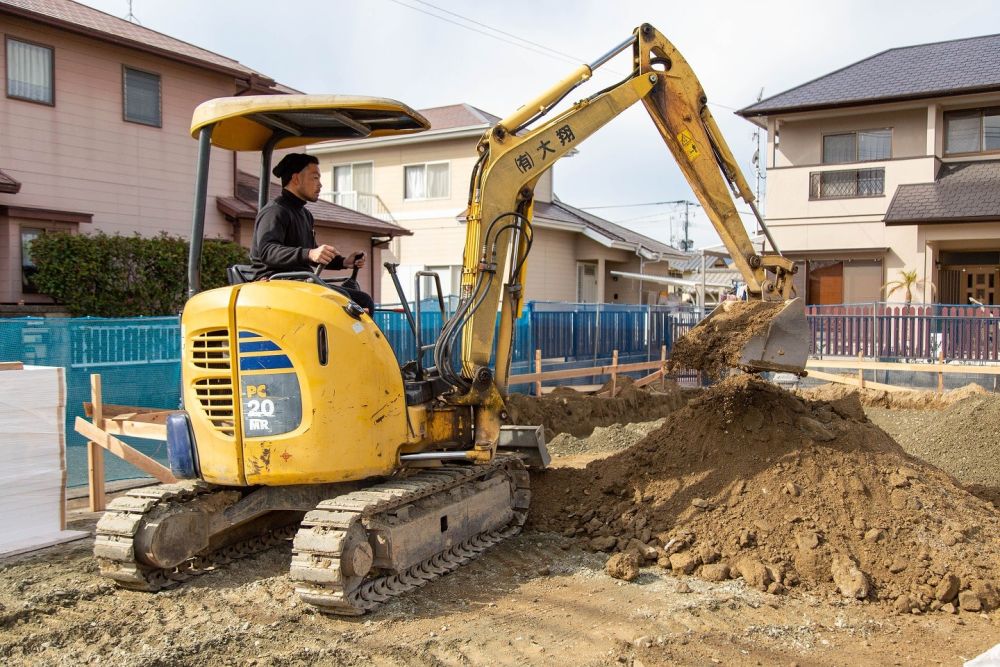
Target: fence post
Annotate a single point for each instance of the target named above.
(663, 367)
(538, 369)
(614, 372)
(95, 453)
(861, 372)
(940, 383)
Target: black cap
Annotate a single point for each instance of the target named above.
(293, 163)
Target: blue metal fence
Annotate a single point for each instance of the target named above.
(139, 358)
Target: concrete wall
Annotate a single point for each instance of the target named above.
(81, 156)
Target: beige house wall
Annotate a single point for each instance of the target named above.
(438, 235)
(851, 229)
(80, 155)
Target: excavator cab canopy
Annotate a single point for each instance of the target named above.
(264, 123)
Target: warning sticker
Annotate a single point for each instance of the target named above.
(687, 143)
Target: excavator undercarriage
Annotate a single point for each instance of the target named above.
(356, 547)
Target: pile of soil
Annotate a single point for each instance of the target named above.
(751, 481)
(566, 410)
(604, 439)
(893, 400)
(717, 343)
(962, 438)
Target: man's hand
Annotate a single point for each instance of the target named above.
(357, 260)
(322, 255)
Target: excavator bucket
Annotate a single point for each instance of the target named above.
(753, 335)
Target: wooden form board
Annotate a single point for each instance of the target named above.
(110, 420)
(860, 364)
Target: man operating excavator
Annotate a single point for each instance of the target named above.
(284, 239)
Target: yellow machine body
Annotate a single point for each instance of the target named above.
(292, 390)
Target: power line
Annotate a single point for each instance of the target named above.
(540, 50)
(651, 203)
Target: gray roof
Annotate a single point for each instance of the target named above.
(955, 67)
(559, 211)
(962, 191)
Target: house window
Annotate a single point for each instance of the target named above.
(30, 73)
(861, 146)
(586, 282)
(972, 131)
(451, 281)
(28, 267)
(847, 183)
(141, 95)
(426, 181)
(353, 185)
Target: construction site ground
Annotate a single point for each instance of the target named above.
(544, 597)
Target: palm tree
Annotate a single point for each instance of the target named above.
(908, 281)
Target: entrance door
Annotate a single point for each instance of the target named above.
(981, 285)
(586, 282)
(825, 283)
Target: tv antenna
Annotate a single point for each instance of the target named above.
(131, 17)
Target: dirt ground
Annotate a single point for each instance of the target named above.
(539, 598)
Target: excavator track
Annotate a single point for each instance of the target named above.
(115, 549)
(326, 545)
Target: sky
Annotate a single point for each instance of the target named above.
(498, 55)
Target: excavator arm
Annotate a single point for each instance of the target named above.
(512, 157)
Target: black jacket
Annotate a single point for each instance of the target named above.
(282, 238)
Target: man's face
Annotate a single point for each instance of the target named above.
(307, 183)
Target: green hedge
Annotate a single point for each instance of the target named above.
(125, 276)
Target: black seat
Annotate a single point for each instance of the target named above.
(239, 274)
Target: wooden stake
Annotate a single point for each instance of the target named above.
(95, 454)
(663, 367)
(124, 452)
(538, 369)
(614, 373)
(940, 374)
(861, 372)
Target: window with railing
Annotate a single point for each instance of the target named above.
(847, 183)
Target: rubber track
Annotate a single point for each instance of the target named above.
(115, 553)
(317, 547)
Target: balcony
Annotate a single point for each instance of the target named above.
(362, 202)
(847, 183)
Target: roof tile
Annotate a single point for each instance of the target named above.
(924, 70)
(963, 191)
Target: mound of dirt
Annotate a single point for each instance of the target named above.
(568, 411)
(603, 439)
(963, 438)
(901, 400)
(751, 481)
(717, 343)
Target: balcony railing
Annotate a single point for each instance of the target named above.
(847, 183)
(362, 202)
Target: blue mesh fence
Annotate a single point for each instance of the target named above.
(139, 358)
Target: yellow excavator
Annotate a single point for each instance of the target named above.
(300, 423)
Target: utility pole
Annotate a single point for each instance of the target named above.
(686, 243)
(755, 161)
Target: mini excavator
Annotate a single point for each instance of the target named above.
(298, 421)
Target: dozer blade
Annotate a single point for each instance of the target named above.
(753, 335)
(783, 345)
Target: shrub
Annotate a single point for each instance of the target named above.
(125, 276)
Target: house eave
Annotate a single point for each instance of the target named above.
(469, 132)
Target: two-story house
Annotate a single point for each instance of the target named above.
(421, 181)
(94, 136)
(890, 164)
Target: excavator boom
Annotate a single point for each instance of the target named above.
(513, 156)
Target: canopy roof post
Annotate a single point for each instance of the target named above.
(198, 218)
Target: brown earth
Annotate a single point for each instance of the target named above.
(746, 476)
(717, 343)
(785, 493)
(533, 600)
(902, 400)
(566, 410)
